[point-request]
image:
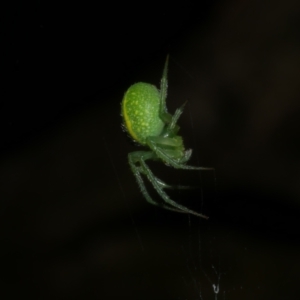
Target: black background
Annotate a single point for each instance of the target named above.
(73, 222)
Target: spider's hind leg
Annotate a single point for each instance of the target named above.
(133, 158)
(169, 203)
(158, 146)
(164, 185)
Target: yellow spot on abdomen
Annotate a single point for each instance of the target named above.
(128, 124)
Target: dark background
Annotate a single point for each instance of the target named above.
(73, 222)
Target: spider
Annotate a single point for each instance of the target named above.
(147, 121)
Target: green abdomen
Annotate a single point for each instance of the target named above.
(140, 111)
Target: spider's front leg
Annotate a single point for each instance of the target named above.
(167, 118)
(171, 121)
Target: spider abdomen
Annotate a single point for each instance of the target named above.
(140, 112)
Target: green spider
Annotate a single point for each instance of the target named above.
(146, 119)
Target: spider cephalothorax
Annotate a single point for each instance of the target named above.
(148, 122)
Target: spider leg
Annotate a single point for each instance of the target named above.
(133, 158)
(137, 157)
(140, 157)
(167, 118)
(163, 89)
(177, 187)
(172, 127)
(172, 205)
(163, 111)
(176, 115)
(172, 162)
